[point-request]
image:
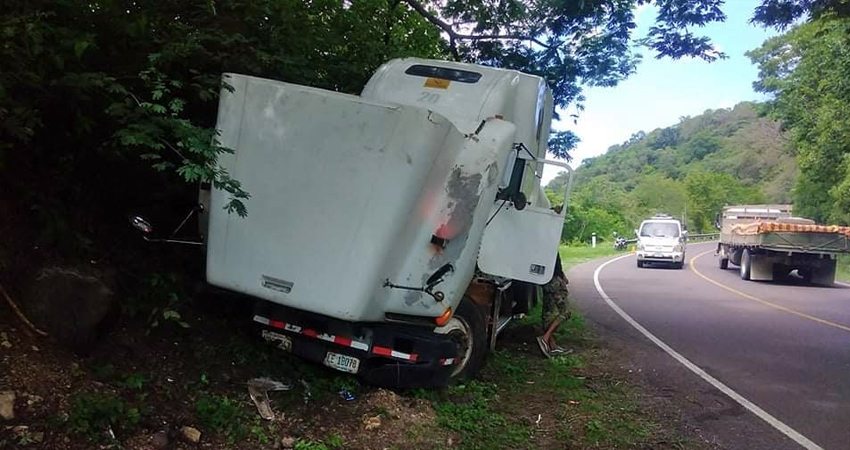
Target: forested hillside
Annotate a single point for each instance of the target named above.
(691, 168)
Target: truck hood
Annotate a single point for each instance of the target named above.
(354, 203)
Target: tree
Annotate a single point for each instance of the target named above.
(807, 71)
(659, 194)
(707, 194)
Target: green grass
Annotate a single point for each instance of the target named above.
(575, 255)
(468, 411)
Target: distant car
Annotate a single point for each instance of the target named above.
(661, 239)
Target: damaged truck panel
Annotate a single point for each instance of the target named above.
(366, 216)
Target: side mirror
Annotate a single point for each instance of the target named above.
(717, 221)
(637, 233)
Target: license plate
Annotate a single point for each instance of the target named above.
(283, 342)
(343, 363)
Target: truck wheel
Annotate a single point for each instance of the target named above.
(746, 264)
(724, 263)
(735, 257)
(468, 329)
(640, 264)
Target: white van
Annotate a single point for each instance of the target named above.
(661, 239)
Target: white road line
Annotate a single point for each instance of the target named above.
(752, 407)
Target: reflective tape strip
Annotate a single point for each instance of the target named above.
(447, 361)
(386, 351)
(261, 320)
(339, 340)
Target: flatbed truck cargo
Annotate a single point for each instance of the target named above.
(392, 234)
(768, 243)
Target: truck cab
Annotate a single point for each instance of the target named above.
(386, 232)
(661, 239)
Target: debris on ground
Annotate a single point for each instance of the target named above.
(346, 395)
(160, 440)
(371, 423)
(307, 393)
(287, 442)
(191, 434)
(258, 389)
(7, 405)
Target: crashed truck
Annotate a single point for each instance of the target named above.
(767, 243)
(393, 234)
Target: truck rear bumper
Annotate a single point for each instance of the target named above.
(390, 355)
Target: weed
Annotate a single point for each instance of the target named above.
(134, 381)
(223, 415)
(104, 372)
(335, 440)
(564, 435)
(382, 411)
(509, 368)
(594, 431)
(310, 445)
(91, 414)
(258, 431)
(467, 411)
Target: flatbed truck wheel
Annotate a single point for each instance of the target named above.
(746, 264)
(724, 263)
(468, 329)
(640, 264)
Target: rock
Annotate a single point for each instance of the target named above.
(7, 405)
(287, 442)
(160, 440)
(6, 344)
(372, 422)
(38, 437)
(35, 348)
(33, 400)
(68, 304)
(191, 434)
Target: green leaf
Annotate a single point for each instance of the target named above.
(80, 48)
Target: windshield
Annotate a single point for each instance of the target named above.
(660, 229)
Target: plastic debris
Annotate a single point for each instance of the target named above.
(307, 393)
(347, 396)
(258, 389)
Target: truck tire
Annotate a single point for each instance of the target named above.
(468, 329)
(735, 257)
(640, 264)
(746, 264)
(723, 262)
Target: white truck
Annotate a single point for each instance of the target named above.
(391, 234)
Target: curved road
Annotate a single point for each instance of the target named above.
(784, 347)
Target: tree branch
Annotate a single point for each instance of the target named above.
(455, 36)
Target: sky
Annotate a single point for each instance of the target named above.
(663, 90)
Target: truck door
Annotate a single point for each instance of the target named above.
(521, 244)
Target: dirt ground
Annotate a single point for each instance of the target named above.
(142, 386)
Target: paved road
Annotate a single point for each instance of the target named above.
(784, 347)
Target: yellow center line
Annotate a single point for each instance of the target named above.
(763, 302)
